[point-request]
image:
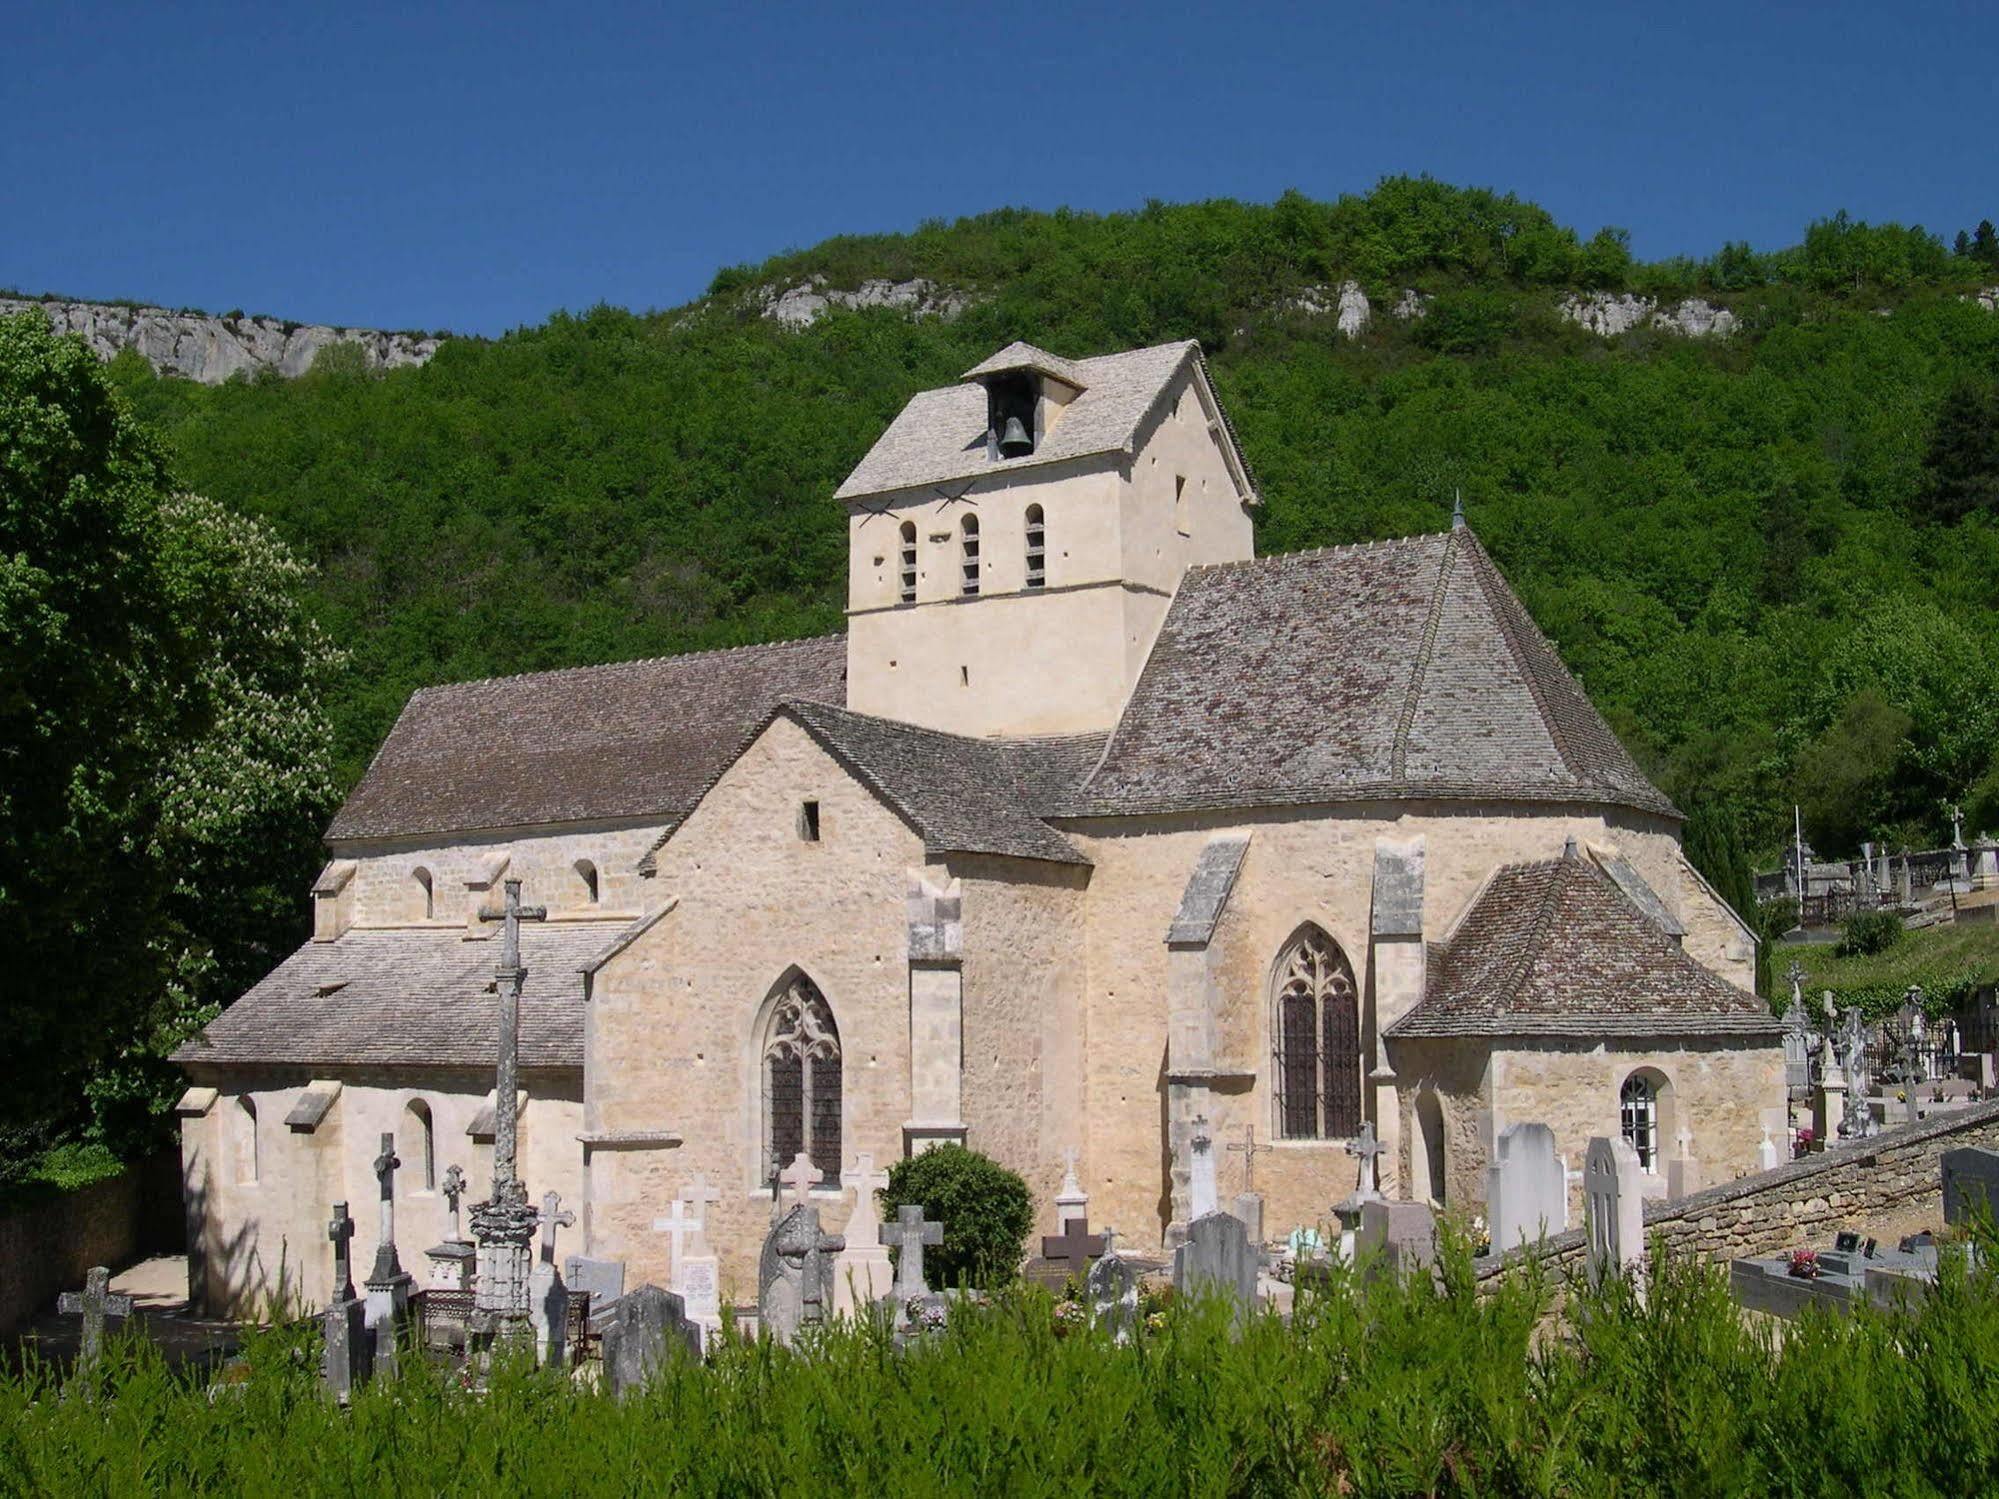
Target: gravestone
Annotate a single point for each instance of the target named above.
(1683, 1171)
(648, 1325)
(1396, 1237)
(1613, 1207)
(389, 1285)
(347, 1354)
(1112, 1290)
(697, 1274)
(454, 1258)
(863, 1272)
(1970, 1177)
(795, 1274)
(603, 1281)
(1249, 1207)
(1526, 1188)
(1071, 1201)
(1218, 1259)
(548, 1297)
(1202, 1194)
(1069, 1253)
(93, 1303)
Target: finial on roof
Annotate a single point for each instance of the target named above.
(1457, 509)
(1569, 847)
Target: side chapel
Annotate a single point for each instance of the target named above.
(1092, 825)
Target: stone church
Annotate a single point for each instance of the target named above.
(1092, 833)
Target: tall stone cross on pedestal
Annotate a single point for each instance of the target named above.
(504, 1224)
(387, 1266)
(340, 1230)
(1369, 1149)
(453, 1188)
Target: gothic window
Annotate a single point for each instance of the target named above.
(246, 1139)
(907, 586)
(801, 1060)
(1638, 1117)
(968, 543)
(418, 1147)
(426, 895)
(1316, 1031)
(586, 872)
(1037, 549)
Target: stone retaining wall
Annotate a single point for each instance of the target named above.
(45, 1247)
(1802, 1202)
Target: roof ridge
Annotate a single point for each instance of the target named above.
(1398, 758)
(1544, 918)
(1336, 549)
(561, 671)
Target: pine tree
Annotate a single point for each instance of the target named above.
(1962, 463)
(1985, 243)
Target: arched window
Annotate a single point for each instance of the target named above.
(587, 873)
(418, 1146)
(426, 896)
(802, 1096)
(906, 588)
(1428, 1165)
(246, 1139)
(1638, 1118)
(968, 544)
(1037, 549)
(1316, 1040)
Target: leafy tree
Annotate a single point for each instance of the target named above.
(160, 725)
(1712, 842)
(986, 1211)
(1961, 466)
(1845, 775)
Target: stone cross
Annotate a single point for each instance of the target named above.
(1074, 1247)
(1249, 1150)
(340, 1229)
(510, 975)
(864, 1223)
(1070, 1182)
(453, 1188)
(679, 1225)
(551, 1220)
(1795, 976)
(95, 1302)
(799, 1177)
(1369, 1150)
(698, 1195)
(1202, 1195)
(387, 1266)
(908, 1234)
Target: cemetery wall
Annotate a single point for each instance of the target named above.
(675, 1025)
(1302, 865)
(47, 1246)
(1805, 1202)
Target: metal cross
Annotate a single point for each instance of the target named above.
(1075, 1246)
(453, 1188)
(95, 1302)
(1249, 1150)
(340, 1230)
(908, 1234)
(550, 1221)
(1368, 1148)
(509, 978)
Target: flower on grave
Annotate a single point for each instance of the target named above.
(1481, 1235)
(1805, 1264)
(1155, 1321)
(1069, 1317)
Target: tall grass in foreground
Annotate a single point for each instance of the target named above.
(1371, 1389)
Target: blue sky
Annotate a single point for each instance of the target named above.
(476, 167)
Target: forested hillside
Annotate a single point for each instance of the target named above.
(1770, 556)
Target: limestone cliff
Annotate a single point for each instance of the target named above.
(196, 346)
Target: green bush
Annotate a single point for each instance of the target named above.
(1867, 933)
(986, 1211)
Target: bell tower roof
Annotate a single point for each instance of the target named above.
(1025, 359)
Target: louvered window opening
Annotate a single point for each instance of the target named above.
(1317, 1052)
(907, 588)
(1037, 549)
(802, 1084)
(969, 543)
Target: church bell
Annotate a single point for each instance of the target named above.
(1014, 441)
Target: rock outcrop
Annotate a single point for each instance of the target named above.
(196, 346)
(803, 305)
(1346, 302)
(1986, 297)
(1609, 314)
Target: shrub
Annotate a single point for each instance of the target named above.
(1867, 933)
(986, 1211)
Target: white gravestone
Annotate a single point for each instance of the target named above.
(697, 1278)
(863, 1272)
(1072, 1203)
(1203, 1197)
(1613, 1207)
(1527, 1189)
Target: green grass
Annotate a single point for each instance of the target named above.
(1383, 1389)
(1946, 961)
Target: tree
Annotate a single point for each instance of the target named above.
(162, 731)
(1712, 842)
(1961, 246)
(1985, 243)
(1961, 465)
(1845, 775)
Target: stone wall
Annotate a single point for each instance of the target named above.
(45, 1247)
(1803, 1202)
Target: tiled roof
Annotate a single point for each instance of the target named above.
(940, 436)
(1025, 356)
(1556, 949)
(1396, 669)
(408, 998)
(638, 739)
(962, 795)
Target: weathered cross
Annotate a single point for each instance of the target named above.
(699, 1196)
(1070, 1183)
(386, 1264)
(1249, 1150)
(865, 1181)
(679, 1226)
(551, 1220)
(506, 1110)
(453, 1188)
(1075, 1246)
(95, 1301)
(1368, 1149)
(800, 1177)
(340, 1230)
(1110, 1240)
(908, 1234)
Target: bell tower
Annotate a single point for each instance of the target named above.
(1015, 539)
